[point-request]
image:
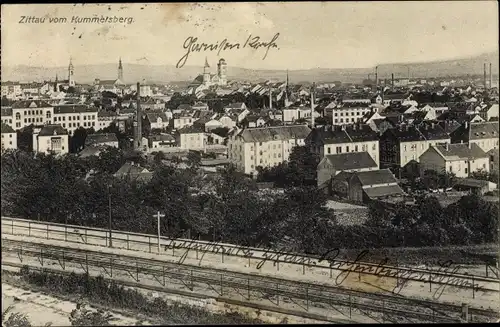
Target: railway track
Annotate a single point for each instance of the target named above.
(268, 287)
(147, 243)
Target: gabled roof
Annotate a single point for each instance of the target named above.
(26, 104)
(351, 160)
(374, 177)
(191, 130)
(130, 168)
(6, 129)
(162, 138)
(100, 138)
(153, 116)
(346, 134)
(476, 131)
(52, 130)
(460, 151)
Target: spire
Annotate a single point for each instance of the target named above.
(206, 63)
(120, 63)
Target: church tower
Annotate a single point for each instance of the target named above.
(222, 72)
(120, 70)
(206, 73)
(71, 71)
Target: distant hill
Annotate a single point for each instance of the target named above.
(168, 73)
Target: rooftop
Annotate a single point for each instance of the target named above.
(460, 151)
(265, 134)
(351, 160)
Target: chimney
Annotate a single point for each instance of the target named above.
(376, 78)
(392, 78)
(469, 145)
(485, 76)
(491, 78)
(447, 147)
(312, 105)
(466, 125)
(138, 120)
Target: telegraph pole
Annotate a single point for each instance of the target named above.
(109, 217)
(159, 215)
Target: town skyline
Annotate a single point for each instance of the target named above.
(444, 31)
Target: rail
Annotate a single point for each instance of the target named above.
(141, 242)
(305, 295)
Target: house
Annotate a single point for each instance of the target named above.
(133, 171)
(6, 113)
(182, 119)
(489, 112)
(241, 106)
(366, 186)
(350, 113)
(216, 139)
(493, 154)
(200, 106)
(190, 138)
(108, 139)
(484, 134)
(394, 98)
(51, 139)
(474, 186)
(344, 139)
(9, 137)
(161, 141)
(264, 146)
(254, 121)
(155, 120)
(90, 151)
(227, 121)
(399, 146)
(461, 159)
(333, 164)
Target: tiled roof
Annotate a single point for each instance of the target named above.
(382, 176)
(421, 132)
(236, 105)
(475, 131)
(68, 109)
(338, 134)
(30, 104)
(154, 115)
(265, 134)
(432, 131)
(351, 160)
(49, 130)
(100, 138)
(184, 106)
(460, 151)
(6, 128)
(130, 169)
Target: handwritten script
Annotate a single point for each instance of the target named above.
(192, 44)
(441, 277)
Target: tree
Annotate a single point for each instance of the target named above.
(81, 316)
(479, 174)
(430, 179)
(77, 141)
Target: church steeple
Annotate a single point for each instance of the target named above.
(71, 72)
(120, 70)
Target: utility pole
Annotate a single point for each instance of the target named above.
(109, 217)
(159, 215)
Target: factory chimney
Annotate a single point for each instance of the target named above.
(376, 77)
(138, 121)
(392, 78)
(485, 86)
(312, 105)
(491, 78)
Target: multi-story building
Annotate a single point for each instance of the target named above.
(350, 113)
(264, 146)
(190, 138)
(484, 134)
(51, 139)
(105, 119)
(71, 117)
(7, 115)
(11, 90)
(27, 112)
(460, 159)
(9, 137)
(182, 119)
(344, 139)
(399, 146)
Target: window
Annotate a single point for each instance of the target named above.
(18, 116)
(341, 114)
(329, 150)
(335, 114)
(275, 156)
(339, 149)
(336, 120)
(47, 115)
(466, 171)
(356, 148)
(484, 166)
(341, 120)
(279, 155)
(69, 118)
(347, 148)
(352, 120)
(84, 117)
(25, 120)
(374, 147)
(451, 168)
(404, 147)
(18, 125)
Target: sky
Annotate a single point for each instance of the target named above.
(311, 34)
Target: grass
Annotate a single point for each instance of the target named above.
(112, 296)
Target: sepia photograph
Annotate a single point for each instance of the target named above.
(214, 163)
